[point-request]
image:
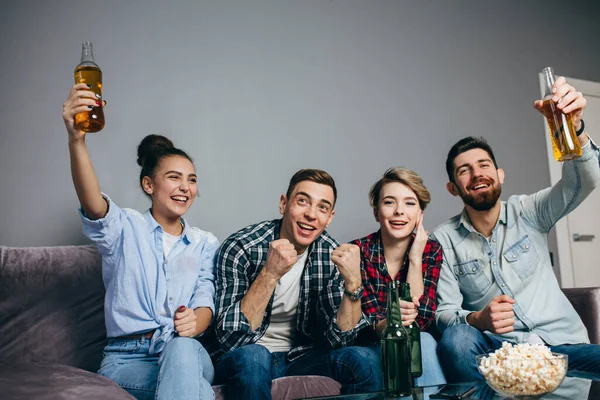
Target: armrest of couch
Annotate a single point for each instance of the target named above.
(586, 302)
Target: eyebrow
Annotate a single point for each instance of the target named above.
(478, 162)
(403, 198)
(180, 174)
(307, 195)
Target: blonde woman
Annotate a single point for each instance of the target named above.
(400, 250)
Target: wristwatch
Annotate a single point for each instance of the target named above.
(356, 295)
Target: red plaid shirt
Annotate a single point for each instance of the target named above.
(375, 278)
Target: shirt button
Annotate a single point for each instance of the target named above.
(493, 240)
(474, 269)
(503, 285)
(526, 246)
(494, 263)
(514, 256)
(170, 299)
(460, 273)
(166, 262)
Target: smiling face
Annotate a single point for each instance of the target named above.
(476, 180)
(306, 213)
(172, 188)
(398, 211)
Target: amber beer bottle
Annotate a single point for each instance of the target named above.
(416, 363)
(89, 72)
(565, 144)
(395, 348)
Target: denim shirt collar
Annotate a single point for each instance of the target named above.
(153, 225)
(465, 221)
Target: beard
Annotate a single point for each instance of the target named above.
(482, 201)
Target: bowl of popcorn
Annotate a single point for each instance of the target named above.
(523, 370)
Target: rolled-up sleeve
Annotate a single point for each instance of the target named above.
(330, 301)
(204, 291)
(104, 232)
(232, 328)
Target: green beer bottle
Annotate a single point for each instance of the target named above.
(416, 365)
(395, 348)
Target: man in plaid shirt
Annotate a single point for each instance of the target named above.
(288, 299)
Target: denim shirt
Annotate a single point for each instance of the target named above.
(139, 280)
(515, 260)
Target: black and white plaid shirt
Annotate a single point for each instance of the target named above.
(238, 263)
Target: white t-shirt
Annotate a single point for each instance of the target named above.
(168, 243)
(281, 332)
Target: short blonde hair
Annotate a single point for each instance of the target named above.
(404, 176)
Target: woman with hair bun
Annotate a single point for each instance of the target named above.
(157, 270)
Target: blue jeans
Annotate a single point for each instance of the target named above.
(249, 370)
(461, 343)
(182, 371)
(432, 370)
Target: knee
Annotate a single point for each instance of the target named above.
(251, 364)
(458, 339)
(357, 355)
(365, 362)
(252, 355)
(182, 347)
(359, 366)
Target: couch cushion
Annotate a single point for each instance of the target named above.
(294, 387)
(51, 306)
(586, 302)
(53, 382)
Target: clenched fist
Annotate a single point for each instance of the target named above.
(347, 259)
(185, 321)
(496, 317)
(281, 258)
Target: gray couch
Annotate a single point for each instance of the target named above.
(52, 330)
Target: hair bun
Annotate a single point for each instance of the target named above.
(152, 144)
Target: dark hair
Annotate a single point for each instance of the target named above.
(404, 176)
(314, 175)
(151, 150)
(464, 145)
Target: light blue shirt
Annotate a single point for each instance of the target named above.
(515, 260)
(139, 280)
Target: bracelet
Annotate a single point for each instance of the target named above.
(580, 131)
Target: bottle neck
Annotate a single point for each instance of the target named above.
(394, 315)
(549, 78)
(405, 291)
(87, 55)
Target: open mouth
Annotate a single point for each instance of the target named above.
(306, 227)
(180, 199)
(398, 224)
(480, 186)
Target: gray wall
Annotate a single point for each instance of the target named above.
(255, 90)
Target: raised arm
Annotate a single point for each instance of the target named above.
(579, 177)
(84, 178)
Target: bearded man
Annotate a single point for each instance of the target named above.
(496, 282)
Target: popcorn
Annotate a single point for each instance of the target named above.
(523, 369)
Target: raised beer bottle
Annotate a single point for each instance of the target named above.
(395, 348)
(414, 331)
(565, 144)
(89, 72)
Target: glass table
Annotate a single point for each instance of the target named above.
(572, 388)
